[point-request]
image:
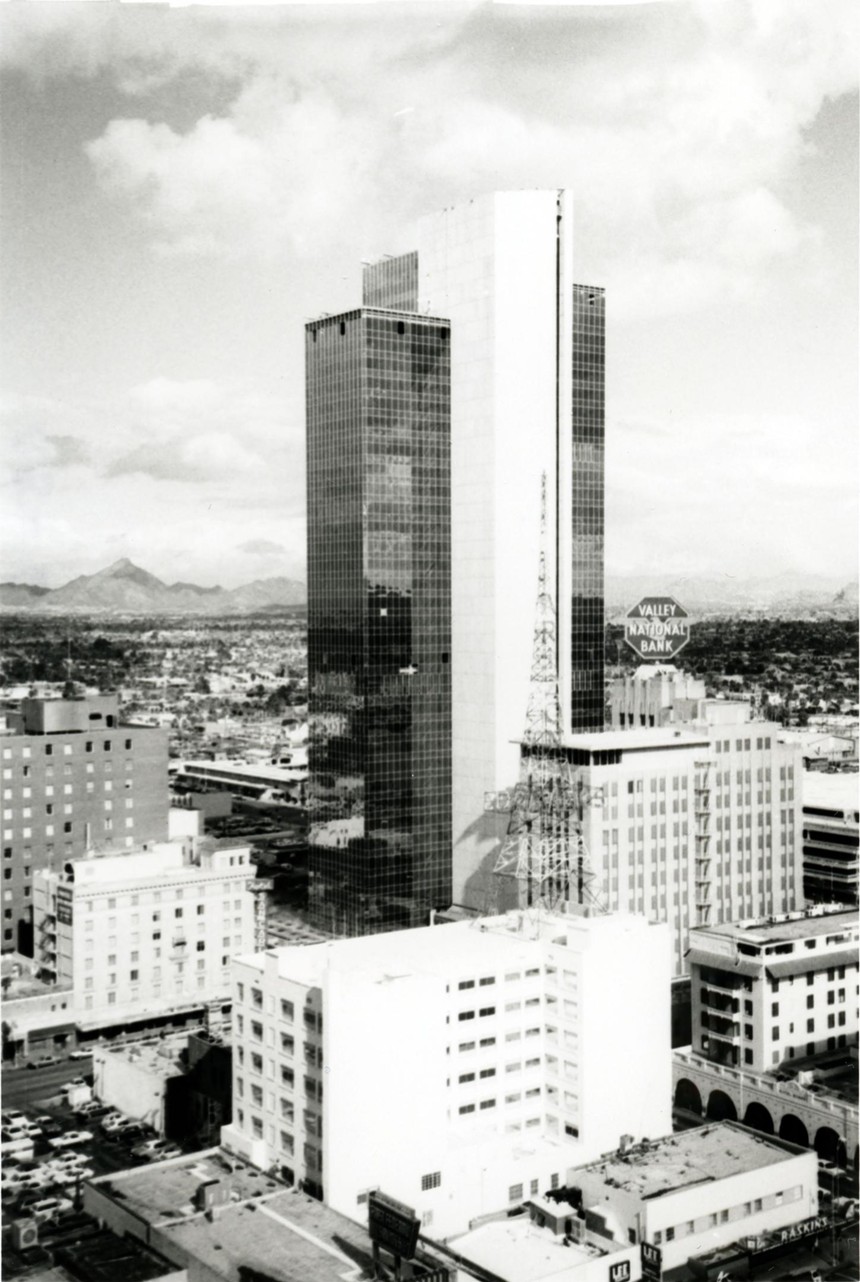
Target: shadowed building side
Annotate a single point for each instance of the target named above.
(378, 620)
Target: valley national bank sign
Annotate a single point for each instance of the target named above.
(657, 628)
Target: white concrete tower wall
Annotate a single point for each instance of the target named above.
(638, 1032)
(385, 1085)
(501, 268)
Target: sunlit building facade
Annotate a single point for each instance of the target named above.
(379, 619)
(527, 396)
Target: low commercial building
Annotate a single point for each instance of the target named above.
(180, 1084)
(513, 1033)
(220, 1220)
(146, 934)
(694, 1191)
(38, 1018)
(831, 837)
(538, 1246)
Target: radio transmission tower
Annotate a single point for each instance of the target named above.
(544, 848)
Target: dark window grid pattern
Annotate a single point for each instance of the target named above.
(378, 619)
(392, 283)
(588, 516)
(90, 821)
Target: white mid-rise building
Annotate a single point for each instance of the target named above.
(775, 989)
(691, 824)
(458, 1068)
(147, 933)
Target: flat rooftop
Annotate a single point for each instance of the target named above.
(485, 944)
(635, 740)
(774, 930)
(285, 1235)
(517, 1248)
(838, 791)
(163, 1056)
(680, 1161)
(243, 770)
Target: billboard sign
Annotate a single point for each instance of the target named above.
(657, 628)
(64, 905)
(652, 1262)
(392, 1225)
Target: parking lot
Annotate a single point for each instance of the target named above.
(50, 1147)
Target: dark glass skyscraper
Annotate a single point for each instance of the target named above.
(379, 619)
(587, 701)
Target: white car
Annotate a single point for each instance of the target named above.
(71, 1174)
(48, 1207)
(72, 1085)
(81, 1054)
(91, 1106)
(111, 1121)
(70, 1138)
(156, 1150)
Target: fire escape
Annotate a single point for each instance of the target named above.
(702, 830)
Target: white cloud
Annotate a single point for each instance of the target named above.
(676, 145)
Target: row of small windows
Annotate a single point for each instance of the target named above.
(740, 1211)
(68, 749)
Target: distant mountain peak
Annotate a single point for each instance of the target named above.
(126, 588)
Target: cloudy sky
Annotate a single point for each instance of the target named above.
(182, 189)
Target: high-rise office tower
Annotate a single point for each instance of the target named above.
(379, 609)
(527, 380)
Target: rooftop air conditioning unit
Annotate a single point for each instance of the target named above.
(25, 1234)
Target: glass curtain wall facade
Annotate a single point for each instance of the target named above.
(391, 283)
(379, 619)
(587, 508)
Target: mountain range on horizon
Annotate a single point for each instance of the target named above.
(125, 588)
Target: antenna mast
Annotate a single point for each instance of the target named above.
(545, 849)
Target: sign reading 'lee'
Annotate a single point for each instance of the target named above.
(657, 628)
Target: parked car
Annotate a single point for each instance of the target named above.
(70, 1138)
(52, 1128)
(12, 1115)
(48, 1207)
(81, 1054)
(111, 1120)
(41, 1061)
(93, 1108)
(128, 1129)
(164, 1154)
(72, 1085)
(65, 1176)
(156, 1150)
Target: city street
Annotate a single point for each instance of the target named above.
(22, 1086)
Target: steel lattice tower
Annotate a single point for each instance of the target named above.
(544, 848)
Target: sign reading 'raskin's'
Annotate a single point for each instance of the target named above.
(657, 628)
